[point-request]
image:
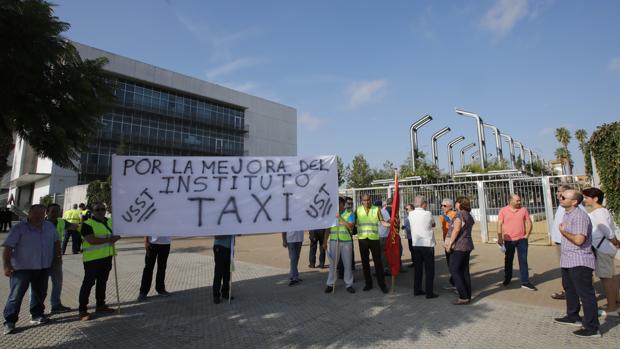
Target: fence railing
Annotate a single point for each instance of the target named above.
(487, 198)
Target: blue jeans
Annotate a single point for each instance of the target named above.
(55, 273)
(19, 282)
(521, 247)
(294, 250)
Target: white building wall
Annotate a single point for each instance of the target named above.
(41, 188)
(74, 195)
(44, 165)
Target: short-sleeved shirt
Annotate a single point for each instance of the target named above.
(295, 236)
(33, 248)
(421, 223)
(464, 241)
(161, 240)
(577, 222)
(513, 223)
(383, 230)
(603, 230)
(445, 224)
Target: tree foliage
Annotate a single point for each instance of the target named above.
(564, 155)
(582, 137)
(360, 174)
(342, 171)
(605, 146)
(100, 191)
(50, 96)
(563, 136)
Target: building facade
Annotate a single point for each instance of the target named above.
(160, 112)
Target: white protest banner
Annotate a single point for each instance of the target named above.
(196, 196)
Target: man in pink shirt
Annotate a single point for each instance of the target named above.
(513, 229)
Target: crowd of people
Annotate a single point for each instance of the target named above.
(586, 244)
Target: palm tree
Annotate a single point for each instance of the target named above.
(563, 136)
(561, 154)
(581, 136)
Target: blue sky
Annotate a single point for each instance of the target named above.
(360, 72)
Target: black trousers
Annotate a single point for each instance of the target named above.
(96, 271)
(577, 283)
(316, 238)
(368, 246)
(76, 241)
(448, 262)
(221, 275)
(424, 262)
(459, 271)
(155, 253)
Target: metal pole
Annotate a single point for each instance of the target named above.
(413, 130)
(434, 139)
(474, 155)
(451, 144)
(463, 150)
(498, 142)
(480, 129)
(520, 145)
(511, 147)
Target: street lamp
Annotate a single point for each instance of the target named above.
(511, 147)
(498, 142)
(529, 151)
(434, 139)
(413, 130)
(474, 155)
(463, 150)
(451, 144)
(481, 141)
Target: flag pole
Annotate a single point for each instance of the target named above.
(336, 265)
(232, 268)
(118, 299)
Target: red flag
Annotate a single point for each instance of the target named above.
(392, 245)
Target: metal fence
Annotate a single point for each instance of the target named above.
(487, 198)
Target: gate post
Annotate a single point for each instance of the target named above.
(548, 199)
(482, 203)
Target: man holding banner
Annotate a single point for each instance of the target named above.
(98, 247)
(367, 220)
(340, 247)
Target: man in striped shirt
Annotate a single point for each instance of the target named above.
(577, 263)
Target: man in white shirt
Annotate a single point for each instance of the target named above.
(293, 241)
(423, 241)
(157, 250)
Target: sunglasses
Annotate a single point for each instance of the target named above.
(562, 197)
(444, 205)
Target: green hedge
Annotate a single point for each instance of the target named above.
(605, 147)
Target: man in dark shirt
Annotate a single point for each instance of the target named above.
(98, 247)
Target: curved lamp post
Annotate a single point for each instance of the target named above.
(474, 155)
(498, 142)
(463, 150)
(434, 139)
(480, 129)
(451, 144)
(511, 147)
(413, 132)
(520, 145)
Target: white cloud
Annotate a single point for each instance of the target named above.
(504, 14)
(614, 65)
(310, 121)
(230, 67)
(364, 91)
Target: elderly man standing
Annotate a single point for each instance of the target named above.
(423, 241)
(29, 250)
(446, 220)
(577, 262)
(513, 229)
(367, 219)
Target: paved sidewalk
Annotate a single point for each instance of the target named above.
(267, 313)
